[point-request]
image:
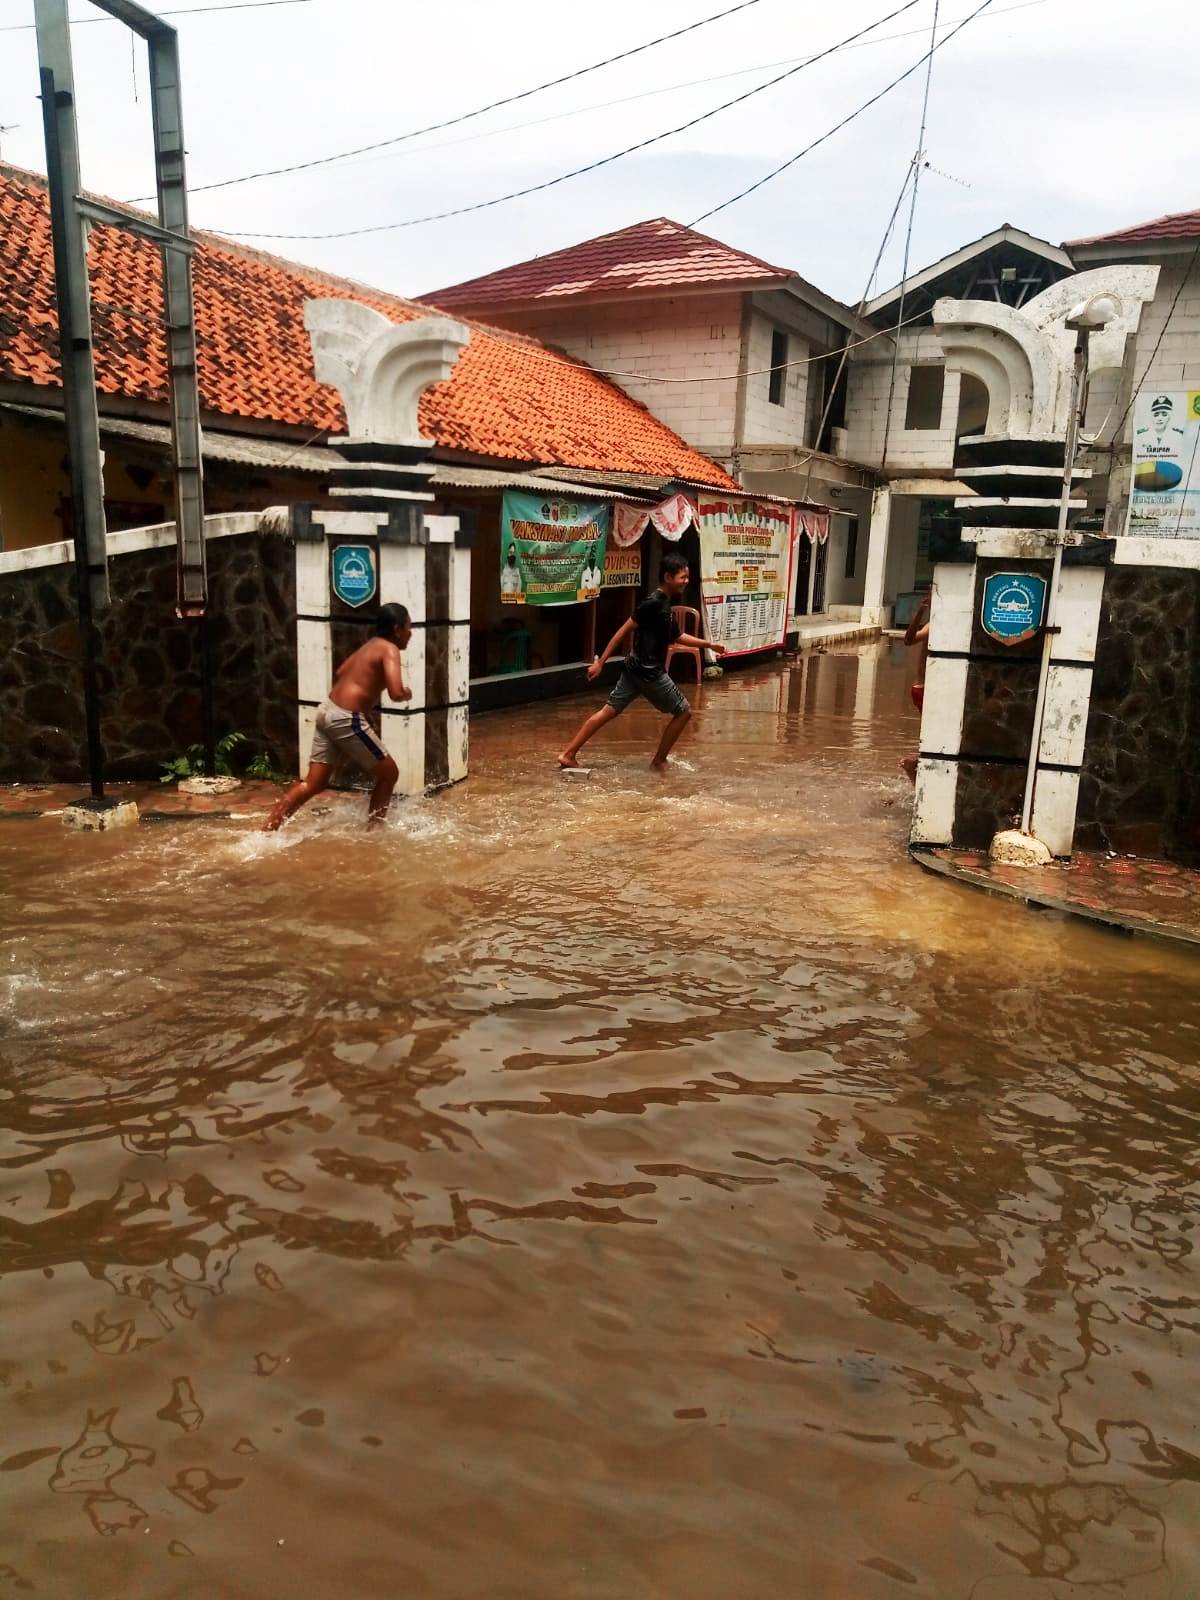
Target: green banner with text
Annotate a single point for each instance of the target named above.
(551, 550)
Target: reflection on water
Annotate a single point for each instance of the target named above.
(613, 1188)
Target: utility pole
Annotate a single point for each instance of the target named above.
(78, 368)
(71, 210)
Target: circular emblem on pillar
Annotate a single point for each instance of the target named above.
(354, 578)
(1014, 604)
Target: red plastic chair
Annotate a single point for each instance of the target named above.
(688, 619)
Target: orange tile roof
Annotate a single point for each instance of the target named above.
(1175, 225)
(659, 255)
(509, 398)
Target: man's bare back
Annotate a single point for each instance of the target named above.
(340, 729)
(359, 682)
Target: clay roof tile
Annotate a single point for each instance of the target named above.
(509, 397)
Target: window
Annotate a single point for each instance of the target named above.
(851, 546)
(779, 355)
(925, 387)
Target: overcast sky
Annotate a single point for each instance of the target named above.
(1066, 117)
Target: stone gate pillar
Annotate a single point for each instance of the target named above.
(378, 544)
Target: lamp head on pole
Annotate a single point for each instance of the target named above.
(1089, 316)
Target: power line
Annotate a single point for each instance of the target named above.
(1188, 270)
(652, 94)
(728, 377)
(191, 11)
(918, 162)
(827, 409)
(866, 106)
(591, 166)
(465, 116)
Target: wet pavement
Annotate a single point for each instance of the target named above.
(1129, 893)
(618, 1187)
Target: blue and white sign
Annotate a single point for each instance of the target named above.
(1014, 604)
(354, 578)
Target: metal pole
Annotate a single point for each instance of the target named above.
(192, 581)
(75, 343)
(181, 327)
(174, 241)
(1078, 375)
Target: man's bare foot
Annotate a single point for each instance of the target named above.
(658, 765)
(909, 768)
(566, 760)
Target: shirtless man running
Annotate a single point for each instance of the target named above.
(342, 728)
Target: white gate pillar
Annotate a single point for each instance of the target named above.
(875, 581)
(400, 554)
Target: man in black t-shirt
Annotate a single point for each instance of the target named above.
(654, 630)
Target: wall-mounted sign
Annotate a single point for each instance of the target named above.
(1014, 604)
(1165, 498)
(745, 571)
(551, 549)
(353, 573)
(623, 569)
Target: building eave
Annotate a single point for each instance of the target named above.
(1006, 234)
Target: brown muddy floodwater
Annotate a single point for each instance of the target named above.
(593, 1189)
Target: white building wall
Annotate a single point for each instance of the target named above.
(903, 538)
(697, 338)
(869, 381)
(841, 590)
(1175, 365)
(766, 423)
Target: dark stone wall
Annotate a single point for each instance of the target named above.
(1140, 782)
(149, 675)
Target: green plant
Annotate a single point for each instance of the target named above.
(263, 767)
(191, 763)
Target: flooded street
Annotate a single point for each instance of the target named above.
(615, 1188)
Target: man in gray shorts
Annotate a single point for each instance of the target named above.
(342, 730)
(654, 629)
(345, 735)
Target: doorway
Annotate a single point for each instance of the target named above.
(810, 578)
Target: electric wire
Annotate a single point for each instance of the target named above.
(705, 377)
(466, 116)
(591, 166)
(1162, 333)
(866, 106)
(190, 11)
(917, 162)
(827, 409)
(642, 94)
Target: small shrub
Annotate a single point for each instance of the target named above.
(191, 763)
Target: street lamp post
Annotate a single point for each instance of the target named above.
(1083, 320)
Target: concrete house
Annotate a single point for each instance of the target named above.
(1117, 759)
(743, 358)
(913, 448)
(506, 415)
(1166, 354)
(737, 355)
(509, 408)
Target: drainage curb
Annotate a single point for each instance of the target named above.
(1114, 921)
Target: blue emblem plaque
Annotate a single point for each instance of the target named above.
(1014, 604)
(354, 579)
